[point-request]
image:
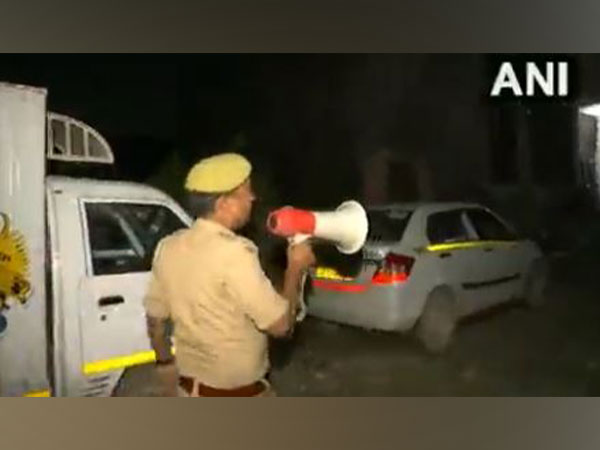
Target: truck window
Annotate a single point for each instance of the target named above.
(59, 134)
(77, 143)
(72, 140)
(95, 148)
(123, 236)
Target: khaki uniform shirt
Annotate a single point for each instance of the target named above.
(209, 281)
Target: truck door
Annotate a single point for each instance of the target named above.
(119, 238)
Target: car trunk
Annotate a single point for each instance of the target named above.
(386, 229)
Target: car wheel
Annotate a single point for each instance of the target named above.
(438, 321)
(535, 285)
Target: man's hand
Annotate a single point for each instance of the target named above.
(167, 378)
(165, 369)
(300, 256)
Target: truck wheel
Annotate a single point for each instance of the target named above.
(438, 321)
(535, 285)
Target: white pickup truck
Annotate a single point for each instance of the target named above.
(75, 255)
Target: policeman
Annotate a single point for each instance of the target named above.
(208, 281)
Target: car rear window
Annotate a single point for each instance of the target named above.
(387, 225)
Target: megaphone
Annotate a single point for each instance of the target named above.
(346, 227)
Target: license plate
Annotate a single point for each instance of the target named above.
(328, 273)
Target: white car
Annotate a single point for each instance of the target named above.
(425, 266)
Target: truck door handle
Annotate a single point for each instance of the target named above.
(445, 255)
(112, 300)
(488, 249)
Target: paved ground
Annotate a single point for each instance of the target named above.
(553, 351)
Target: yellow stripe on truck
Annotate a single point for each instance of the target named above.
(466, 244)
(44, 393)
(120, 362)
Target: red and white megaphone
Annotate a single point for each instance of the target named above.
(346, 227)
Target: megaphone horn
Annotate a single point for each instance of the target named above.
(347, 226)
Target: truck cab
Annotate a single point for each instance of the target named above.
(88, 245)
(102, 238)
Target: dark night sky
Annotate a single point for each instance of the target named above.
(119, 95)
(305, 118)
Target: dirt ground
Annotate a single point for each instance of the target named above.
(552, 351)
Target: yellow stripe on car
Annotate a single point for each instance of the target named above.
(44, 393)
(466, 244)
(329, 273)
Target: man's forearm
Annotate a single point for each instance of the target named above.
(291, 289)
(157, 331)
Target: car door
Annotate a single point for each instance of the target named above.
(451, 257)
(120, 238)
(499, 264)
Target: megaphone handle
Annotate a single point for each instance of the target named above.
(301, 313)
(298, 238)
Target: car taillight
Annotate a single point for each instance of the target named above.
(395, 269)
